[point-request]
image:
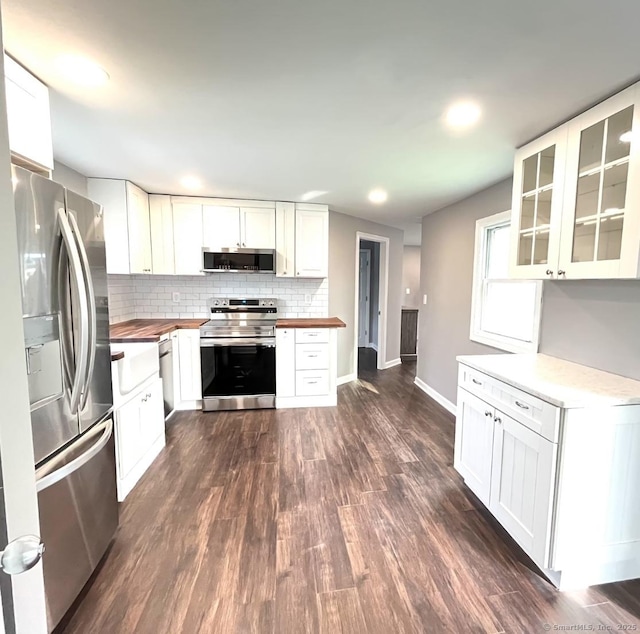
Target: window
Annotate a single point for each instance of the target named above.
(505, 313)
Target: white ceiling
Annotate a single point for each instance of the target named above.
(274, 99)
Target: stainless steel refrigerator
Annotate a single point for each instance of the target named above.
(66, 325)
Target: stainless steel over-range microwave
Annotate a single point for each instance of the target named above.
(238, 260)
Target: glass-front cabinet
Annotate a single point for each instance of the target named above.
(601, 215)
(537, 206)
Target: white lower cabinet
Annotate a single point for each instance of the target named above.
(187, 379)
(306, 369)
(563, 482)
(139, 430)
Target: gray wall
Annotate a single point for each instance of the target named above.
(594, 322)
(374, 288)
(446, 274)
(342, 280)
(411, 276)
(69, 178)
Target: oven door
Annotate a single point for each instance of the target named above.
(238, 373)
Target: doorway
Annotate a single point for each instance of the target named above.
(370, 303)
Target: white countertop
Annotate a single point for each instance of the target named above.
(562, 383)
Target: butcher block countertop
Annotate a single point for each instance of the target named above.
(311, 322)
(141, 330)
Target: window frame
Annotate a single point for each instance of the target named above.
(476, 333)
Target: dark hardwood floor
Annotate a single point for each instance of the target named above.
(347, 519)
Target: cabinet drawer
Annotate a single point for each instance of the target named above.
(312, 356)
(534, 413)
(312, 382)
(309, 335)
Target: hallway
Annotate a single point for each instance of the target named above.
(345, 519)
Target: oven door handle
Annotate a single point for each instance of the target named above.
(214, 342)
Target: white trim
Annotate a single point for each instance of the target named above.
(383, 297)
(324, 400)
(347, 378)
(393, 363)
(373, 346)
(436, 396)
(479, 258)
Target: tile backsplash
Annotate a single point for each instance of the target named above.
(152, 296)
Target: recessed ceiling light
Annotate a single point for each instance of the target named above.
(82, 70)
(191, 182)
(626, 137)
(312, 194)
(378, 196)
(463, 114)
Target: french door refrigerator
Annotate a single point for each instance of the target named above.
(66, 326)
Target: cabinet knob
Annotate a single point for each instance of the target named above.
(498, 420)
(488, 413)
(237, 244)
(549, 272)
(244, 244)
(562, 272)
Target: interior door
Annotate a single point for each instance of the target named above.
(87, 223)
(364, 282)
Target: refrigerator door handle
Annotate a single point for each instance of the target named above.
(46, 478)
(76, 271)
(92, 313)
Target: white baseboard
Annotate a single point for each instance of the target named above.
(347, 378)
(328, 400)
(436, 396)
(392, 363)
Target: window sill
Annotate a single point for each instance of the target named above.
(504, 343)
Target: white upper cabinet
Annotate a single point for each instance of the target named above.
(312, 240)
(187, 238)
(28, 115)
(161, 218)
(127, 228)
(221, 226)
(576, 197)
(285, 239)
(257, 228)
(601, 221)
(230, 226)
(536, 208)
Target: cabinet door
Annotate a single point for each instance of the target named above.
(522, 481)
(189, 363)
(221, 226)
(285, 362)
(536, 217)
(601, 223)
(28, 115)
(152, 414)
(285, 239)
(161, 219)
(473, 450)
(139, 229)
(129, 436)
(258, 228)
(312, 242)
(187, 238)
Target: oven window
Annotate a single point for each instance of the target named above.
(238, 370)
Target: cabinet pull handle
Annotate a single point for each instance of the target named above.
(477, 382)
(549, 272)
(498, 420)
(312, 356)
(562, 272)
(312, 382)
(522, 405)
(488, 413)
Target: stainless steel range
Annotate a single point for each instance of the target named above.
(238, 354)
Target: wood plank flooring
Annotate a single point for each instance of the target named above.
(346, 519)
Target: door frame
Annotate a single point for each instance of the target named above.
(383, 296)
(367, 301)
